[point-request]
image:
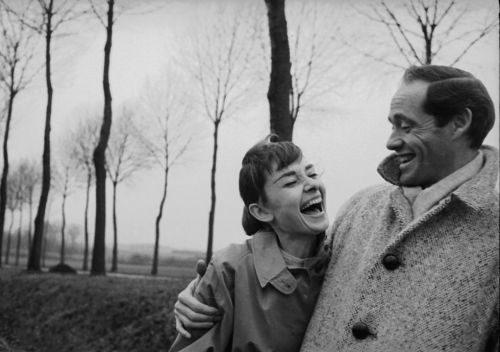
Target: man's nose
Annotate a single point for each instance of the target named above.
(394, 142)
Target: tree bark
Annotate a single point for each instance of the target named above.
(280, 84)
(99, 253)
(5, 171)
(35, 253)
(154, 269)
(19, 233)
(7, 250)
(211, 215)
(86, 223)
(30, 200)
(63, 229)
(44, 253)
(114, 262)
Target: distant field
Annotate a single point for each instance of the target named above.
(177, 268)
(81, 313)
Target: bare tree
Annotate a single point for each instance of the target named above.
(46, 19)
(222, 57)
(166, 135)
(64, 182)
(312, 55)
(45, 231)
(99, 157)
(12, 205)
(16, 51)
(125, 156)
(85, 139)
(280, 84)
(31, 177)
(21, 200)
(421, 30)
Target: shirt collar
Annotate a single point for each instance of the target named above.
(269, 264)
(471, 192)
(428, 197)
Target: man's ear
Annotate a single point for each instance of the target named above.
(461, 123)
(260, 213)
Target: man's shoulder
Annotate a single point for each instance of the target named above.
(372, 193)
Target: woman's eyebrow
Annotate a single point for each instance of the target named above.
(286, 174)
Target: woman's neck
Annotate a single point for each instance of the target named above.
(298, 246)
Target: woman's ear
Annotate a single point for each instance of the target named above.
(461, 123)
(260, 213)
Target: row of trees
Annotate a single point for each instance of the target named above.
(222, 62)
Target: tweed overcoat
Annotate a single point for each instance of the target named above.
(398, 284)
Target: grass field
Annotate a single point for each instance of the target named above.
(59, 313)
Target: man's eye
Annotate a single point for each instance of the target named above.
(406, 128)
(313, 175)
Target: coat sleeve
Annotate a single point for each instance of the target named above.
(212, 290)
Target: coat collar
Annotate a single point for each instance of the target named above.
(471, 192)
(270, 266)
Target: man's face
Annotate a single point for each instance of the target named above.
(425, 151)
(295, 198)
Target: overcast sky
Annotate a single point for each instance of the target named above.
(344, 132)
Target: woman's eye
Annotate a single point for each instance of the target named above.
(290, 183)
(313, 175)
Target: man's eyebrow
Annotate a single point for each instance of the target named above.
(309, 167)
(399, 118)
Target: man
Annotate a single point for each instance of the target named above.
(415, 264)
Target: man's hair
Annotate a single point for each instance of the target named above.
(450, 92)
(258, 163)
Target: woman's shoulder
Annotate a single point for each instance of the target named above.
(233, 255)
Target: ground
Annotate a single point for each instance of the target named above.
(77, 313)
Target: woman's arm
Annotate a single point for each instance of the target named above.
(189, 312)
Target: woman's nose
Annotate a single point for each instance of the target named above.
(312, 184)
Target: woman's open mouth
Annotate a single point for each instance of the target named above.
(313, 207)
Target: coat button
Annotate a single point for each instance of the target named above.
(391, 262)
(360, 331)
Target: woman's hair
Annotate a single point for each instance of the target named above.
(258, 163)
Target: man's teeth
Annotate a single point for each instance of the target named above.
(405, 158)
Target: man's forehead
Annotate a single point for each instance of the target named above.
(417, 89)
(409, 96)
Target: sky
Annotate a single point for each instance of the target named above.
(343, 132)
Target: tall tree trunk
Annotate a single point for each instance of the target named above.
(5, 171)
(154, 269)
(7, 250)
(30, 219)
(35, 253)
(428, 51)
(86, 223)
(211, 216)
(19, 233)
(280, 84)
(99, 252)
(44, 249)
(114, 262)
(63, 229)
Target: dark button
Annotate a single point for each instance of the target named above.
(391, 262)
(360, 331)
